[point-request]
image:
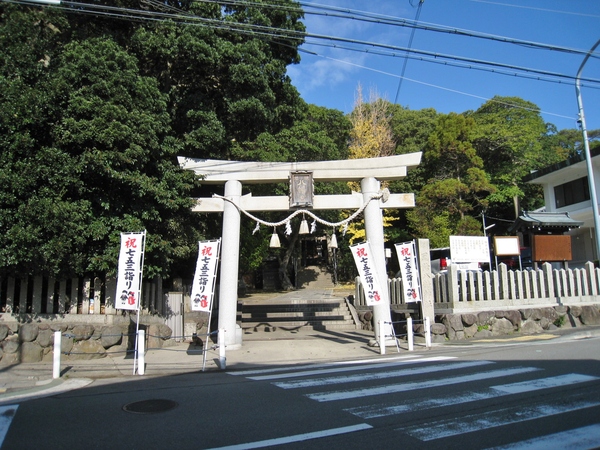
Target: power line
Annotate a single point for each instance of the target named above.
(275, 34)
(363, 16)
(412, 35)
(448, 89)
(537, 8)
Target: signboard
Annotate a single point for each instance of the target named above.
(366, 271)
(301, 190)
(507, 246)
(203, 286)
(551, 248)
(409, 271)
(465, 249)
(129, 272)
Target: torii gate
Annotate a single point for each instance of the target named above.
(370, 172)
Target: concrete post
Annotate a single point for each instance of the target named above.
(230, 260)
(222, 354)
(141, 344)
(56, 356)
(374, 230)
(410, 334)
(427, 325)
(427, 303)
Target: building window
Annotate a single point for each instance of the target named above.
(575, 191)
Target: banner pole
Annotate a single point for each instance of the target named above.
(137, 338)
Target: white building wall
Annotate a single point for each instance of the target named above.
(582, 238)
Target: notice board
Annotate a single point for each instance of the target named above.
(506, 246)
(551, 248)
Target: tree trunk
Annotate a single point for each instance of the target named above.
(284, 262)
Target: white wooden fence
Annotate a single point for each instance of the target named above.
(458, 292)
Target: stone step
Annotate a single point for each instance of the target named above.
(291, 314)
(264, 310)
(294, 308)
(293, 325)
(253, 317)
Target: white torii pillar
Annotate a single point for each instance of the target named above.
(368, 171)
(230, 261)
(374, 231)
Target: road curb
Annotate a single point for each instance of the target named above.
(45, 389)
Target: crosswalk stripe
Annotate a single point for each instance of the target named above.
(380, 361)
(505, 416)
(382, 375)
(7, 413)
(402, 387)
(584, 438)
(542, 383)
(308, 373)
(373, 411)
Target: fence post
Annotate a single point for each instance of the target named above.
(141, 352)
(222, 357)
(409, 333)
(427, 333)
(56, 356)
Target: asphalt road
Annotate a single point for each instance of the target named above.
(528, 395)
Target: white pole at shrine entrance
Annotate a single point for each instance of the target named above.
(374, 229)
(230, 260)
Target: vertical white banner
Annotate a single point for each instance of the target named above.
(367, 273)
(129, 272)
(203, 286)
(409, 271)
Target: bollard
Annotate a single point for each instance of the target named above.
(427, 333)
(381, 338)
(222, 358)
(409, 332)
(56, 356)
(141, 352)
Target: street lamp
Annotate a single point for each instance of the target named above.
(588, 157)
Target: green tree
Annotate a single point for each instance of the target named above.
(101, 162)
(224, 85)
(510, 139)
(411, 131)
(457, 186)
(94, 110)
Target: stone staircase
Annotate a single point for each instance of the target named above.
(315, 305)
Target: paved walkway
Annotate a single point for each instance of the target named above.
(259, 349)
(26, 381)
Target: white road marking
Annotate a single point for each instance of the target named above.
(543, 383)
(482, 421)
(391, 388)
(7, 413)
(378, 362)
(584, 438)
(383, 375)
(297, 437)
(373, 411)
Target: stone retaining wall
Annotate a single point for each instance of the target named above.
(498, 323)
(33, 341)
(495, 323)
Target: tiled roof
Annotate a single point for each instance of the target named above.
(544, 220)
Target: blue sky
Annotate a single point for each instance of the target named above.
(331, 77)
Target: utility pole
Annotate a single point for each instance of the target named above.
(588, 156)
